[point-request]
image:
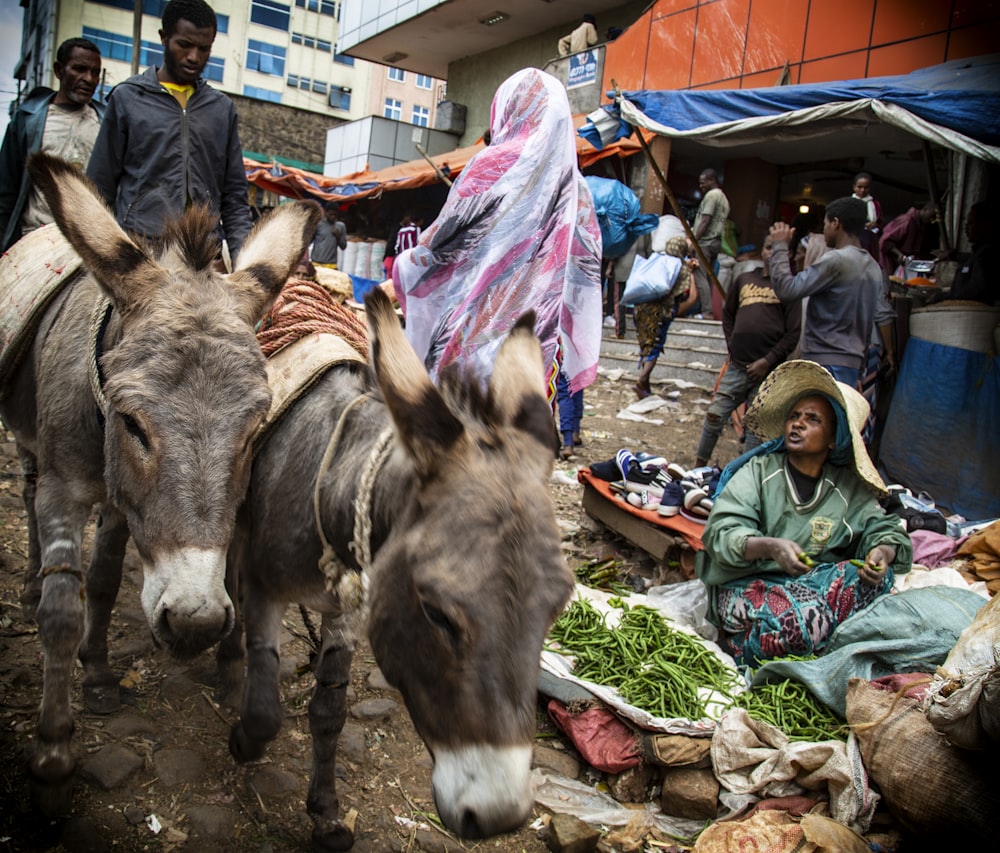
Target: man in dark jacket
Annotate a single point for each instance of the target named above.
(761, 332)
(169, 140)
(64, 123)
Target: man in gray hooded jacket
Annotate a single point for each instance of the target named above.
(169, 140)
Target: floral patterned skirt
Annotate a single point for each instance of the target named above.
(779, 615)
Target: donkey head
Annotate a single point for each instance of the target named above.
(185, 389)
(465, 590)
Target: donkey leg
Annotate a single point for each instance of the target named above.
(230, 657)
(60, 629)
(260, 717)
(327, 714)
(31, 590)
(100, 684)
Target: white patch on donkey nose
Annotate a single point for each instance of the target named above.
(184, 597)
(482, 791)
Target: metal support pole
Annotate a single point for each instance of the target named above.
(709, 272)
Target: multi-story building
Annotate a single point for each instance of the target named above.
(277, 58)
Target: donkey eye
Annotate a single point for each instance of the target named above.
(439, 620)
(133, 429)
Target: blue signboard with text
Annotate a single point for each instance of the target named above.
(582, 69)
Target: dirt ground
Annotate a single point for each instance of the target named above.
(162, 759)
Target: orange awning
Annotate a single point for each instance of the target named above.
(298, 183)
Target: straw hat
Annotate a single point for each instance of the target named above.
(790, 382)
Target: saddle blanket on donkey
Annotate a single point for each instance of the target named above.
(32, 273)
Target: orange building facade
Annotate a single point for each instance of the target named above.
(741, 44)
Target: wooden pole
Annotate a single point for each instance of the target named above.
(136, 36)
(936, 196)
(702, 260)
(441, 175)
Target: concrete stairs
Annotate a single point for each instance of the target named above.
(694, 352)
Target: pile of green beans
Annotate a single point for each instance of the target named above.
(652, 666)
(789, 706)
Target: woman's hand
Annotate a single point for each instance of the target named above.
(784, 552)
(876, 564)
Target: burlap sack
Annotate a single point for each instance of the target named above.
(934, 790)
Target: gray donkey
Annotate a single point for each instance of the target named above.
(441, 497)
(159, 434)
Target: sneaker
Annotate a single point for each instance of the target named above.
(692, 516)
(643, 500)
(676, 471)
(694, 497)
(654, 483)
(624, 460)
(609, 322)
(671, 500)
(607, 470)
(647, 460)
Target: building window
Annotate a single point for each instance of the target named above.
(310, 41)
(111, 45)
(151, 53)
(424, 82)
(319, 86)
(343, 60)
(397, 74)
(305, 83)
(270, 14)
(324, 7)
(393, 109)
(340, 100)
(154, 8)
(293, 81)
(266, 58)
(262, 94)
(421, 116)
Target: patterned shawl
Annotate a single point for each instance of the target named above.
(517, 232)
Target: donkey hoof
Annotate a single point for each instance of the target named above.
(29, 603)
(337, 837)
(101, 698)
(244, 748)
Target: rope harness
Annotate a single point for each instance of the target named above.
(302, 309)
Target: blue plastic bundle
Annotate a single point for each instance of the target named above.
(619, 215)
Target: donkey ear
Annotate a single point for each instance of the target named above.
(119, 264)
(423, 420)
(518, 380)
(271, 251)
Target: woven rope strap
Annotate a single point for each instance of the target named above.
(333, 568)
(96, 325)
(363, 502)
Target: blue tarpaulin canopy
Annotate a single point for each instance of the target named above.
(955, 105)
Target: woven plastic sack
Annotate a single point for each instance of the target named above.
(651, 279)
(938, 793)
(964, 699)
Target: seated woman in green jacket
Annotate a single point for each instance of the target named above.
(797, 541)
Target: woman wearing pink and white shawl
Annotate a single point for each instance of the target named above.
(517, 232)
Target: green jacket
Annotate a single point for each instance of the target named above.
(842, 521)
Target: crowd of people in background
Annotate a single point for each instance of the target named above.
(817, 287)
